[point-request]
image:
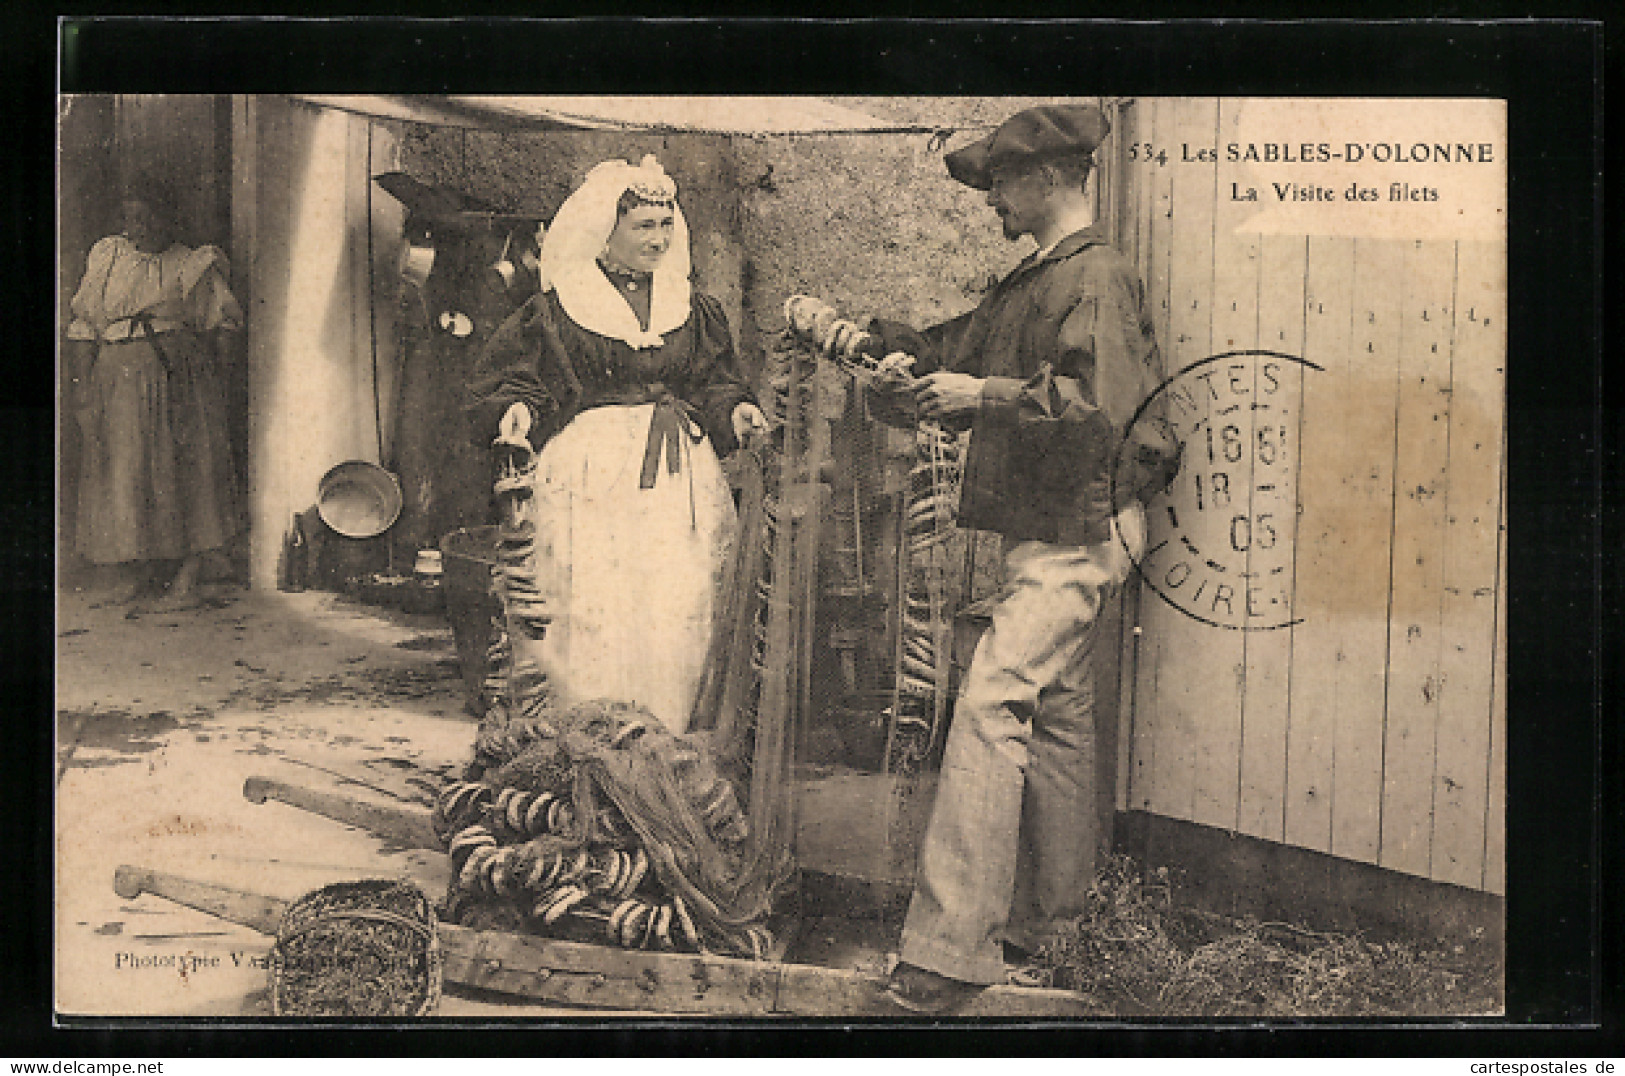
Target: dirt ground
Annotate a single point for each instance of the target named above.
(162, 718)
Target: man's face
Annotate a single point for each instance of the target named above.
(1020, 197)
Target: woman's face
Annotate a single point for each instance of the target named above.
(641, 237)
(144, 226)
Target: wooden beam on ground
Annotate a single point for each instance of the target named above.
(810, 990)
(251, 910)
(407, 826)
(573, 973)
(390, 782)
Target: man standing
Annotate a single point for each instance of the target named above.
(1050, 372)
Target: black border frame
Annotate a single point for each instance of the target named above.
(1565, 475)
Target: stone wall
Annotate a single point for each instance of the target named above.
(535, 173)
(873, 223)
(870, 223)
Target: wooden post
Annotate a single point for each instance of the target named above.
(899, 598)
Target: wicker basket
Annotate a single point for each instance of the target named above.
(369, 948)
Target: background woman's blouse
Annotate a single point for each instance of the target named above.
(183, 287)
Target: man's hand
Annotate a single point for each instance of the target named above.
(944, 395)
(893, 371)
(749, 423)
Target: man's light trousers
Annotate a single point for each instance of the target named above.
(1018, 779)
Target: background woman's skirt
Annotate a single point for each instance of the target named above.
(157, 480)
(630, 574)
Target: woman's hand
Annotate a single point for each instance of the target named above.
(842, 339)
(515, 425)
(749, 424)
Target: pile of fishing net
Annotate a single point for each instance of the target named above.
(595, 823)
(592, 821)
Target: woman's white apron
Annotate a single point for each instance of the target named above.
(629, 575)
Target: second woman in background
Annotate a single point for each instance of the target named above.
(148, 348)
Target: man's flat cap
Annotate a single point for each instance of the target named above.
(1028, 137)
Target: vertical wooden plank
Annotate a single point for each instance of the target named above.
(1273, 508)
(1144, 185)
(1125, 190)
(1127, 656)
(1362, 488)
(1495, 849)
(305, 390)
(257, 207)
(1468, 652)
(1421, 480)
(1134, 186)
(244, 246)
(1126, 183)
(1159, 182)
(1197, 691)
(1215, 667)
(1155, 196)
(244, 197)
(1104, 178)
(1324, 508)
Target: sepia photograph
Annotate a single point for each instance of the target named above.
(781, 557)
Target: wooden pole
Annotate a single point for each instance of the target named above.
(899, 599)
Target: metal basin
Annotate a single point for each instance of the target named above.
(359, 499)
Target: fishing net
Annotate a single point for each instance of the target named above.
(592, 821)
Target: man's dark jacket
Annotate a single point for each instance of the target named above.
(1066, 345)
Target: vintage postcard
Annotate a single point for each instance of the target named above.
(1028, 558)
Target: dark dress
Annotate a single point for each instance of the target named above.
(542, 358)
(157, 481)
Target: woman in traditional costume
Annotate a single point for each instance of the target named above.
(627, 379)
(147, 353)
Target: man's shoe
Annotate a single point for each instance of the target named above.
(920, 991)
